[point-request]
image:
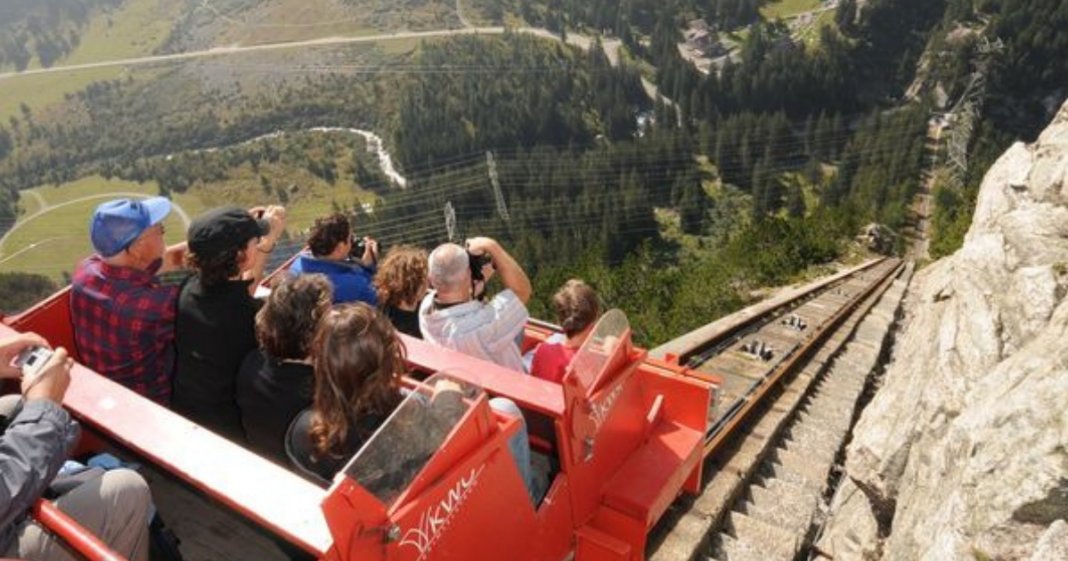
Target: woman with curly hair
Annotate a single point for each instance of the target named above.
(401, 283)
(274, 382)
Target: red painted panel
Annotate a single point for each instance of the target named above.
(223, 470)
(527, 391)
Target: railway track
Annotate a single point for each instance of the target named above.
(789, 374)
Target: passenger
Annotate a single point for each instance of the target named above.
(274, 382)
(451, 316)
(35, 435)
(123, 317)
(577, 309)
(228, 250)
(329, 252)
(359, 360)
(401, 283)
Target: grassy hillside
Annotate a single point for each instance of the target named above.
(135, 28)
(50, 241)
(117, 30)
(50, 234)
(41, 32)
(787, 8)
(243, 22)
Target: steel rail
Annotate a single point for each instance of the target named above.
(731, 424)
(698, 342)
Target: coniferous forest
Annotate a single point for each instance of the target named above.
(674, 207)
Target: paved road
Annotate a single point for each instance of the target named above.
(45, 209)
(611, 47)
(223, 51)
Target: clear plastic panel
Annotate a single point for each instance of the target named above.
(597, 351)
(398, 450)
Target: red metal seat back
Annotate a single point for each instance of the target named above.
(50, 319)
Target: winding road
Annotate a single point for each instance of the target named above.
(611, 48)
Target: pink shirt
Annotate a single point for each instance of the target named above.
(551, 361)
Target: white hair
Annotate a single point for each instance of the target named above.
(449, 268)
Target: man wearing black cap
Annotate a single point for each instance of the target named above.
(228, 250)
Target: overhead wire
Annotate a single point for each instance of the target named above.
(469, 172)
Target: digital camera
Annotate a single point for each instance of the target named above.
(477, 262)
(359, 247)
(32, 359)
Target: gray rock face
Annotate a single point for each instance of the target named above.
(963, 453)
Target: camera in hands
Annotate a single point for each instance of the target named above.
(32, 360)
(359, 247)
(477, 262)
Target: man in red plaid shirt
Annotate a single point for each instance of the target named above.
(123, 317)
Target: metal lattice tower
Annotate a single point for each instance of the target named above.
(965, 114)
(450, 221)
(502, 208)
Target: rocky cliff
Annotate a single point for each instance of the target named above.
(963, 452)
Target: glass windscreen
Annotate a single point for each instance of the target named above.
(399, 449)
(597, 351)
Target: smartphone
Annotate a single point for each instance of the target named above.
(32, 359)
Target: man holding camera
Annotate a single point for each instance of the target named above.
(348, 262)
(454, 316)
(35, 436)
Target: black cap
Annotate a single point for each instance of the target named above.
(222, 229)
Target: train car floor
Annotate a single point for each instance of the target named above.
(207, 531)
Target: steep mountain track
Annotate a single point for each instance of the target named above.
(790, 373)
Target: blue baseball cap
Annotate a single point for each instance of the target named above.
(116, 224)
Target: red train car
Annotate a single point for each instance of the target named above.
(615, 444)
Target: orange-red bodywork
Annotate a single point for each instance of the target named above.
(622, 447)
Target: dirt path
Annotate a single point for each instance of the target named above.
(37, 197)
(460, 14)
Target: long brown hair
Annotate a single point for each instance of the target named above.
(358, 361)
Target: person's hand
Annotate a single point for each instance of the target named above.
(370, 252)
(174, 257)
(446, 385)
(488, 270)
(52, 381)
(276, 215)
(481, 245)
(484, 246)
(10, 348)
